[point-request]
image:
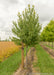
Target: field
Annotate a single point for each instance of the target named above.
(49, 44)
(7, 49)
(10, 65)
(10, 59)
(45, 62)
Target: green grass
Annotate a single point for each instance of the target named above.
(49, 46)
(10, 65)
(45, 62)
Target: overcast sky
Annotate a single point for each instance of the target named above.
(10, 8)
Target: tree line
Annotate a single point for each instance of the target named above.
(47, 34)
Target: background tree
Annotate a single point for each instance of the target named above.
(27, 27)
(6, 39)
(48, 32)
(0, 38)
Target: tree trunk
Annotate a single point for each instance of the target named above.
(48, 43)
(52, 45)
(26, 57)
(22, 56)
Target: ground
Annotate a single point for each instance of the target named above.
(32, 58)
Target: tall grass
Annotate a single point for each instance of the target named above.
(10, 65)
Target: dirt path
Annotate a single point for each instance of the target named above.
(49, 51)
(30, 70)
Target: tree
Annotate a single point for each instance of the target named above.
(48, 32)
(27, 29)
(6, 39)
(0, 38)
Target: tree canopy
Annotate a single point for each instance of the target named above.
(27, 28)
(48, 32)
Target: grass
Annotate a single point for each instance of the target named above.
(10, 65)
(7, 49)
(49, 46)
(45, 62)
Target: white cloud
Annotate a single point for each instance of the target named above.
(10, 8)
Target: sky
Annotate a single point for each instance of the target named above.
(10, 8)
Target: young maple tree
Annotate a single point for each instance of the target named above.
(27, 28)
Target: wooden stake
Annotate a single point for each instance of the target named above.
(22, 56)
(26, 57)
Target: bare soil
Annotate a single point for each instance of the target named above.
(29, 68)
(49, 51)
